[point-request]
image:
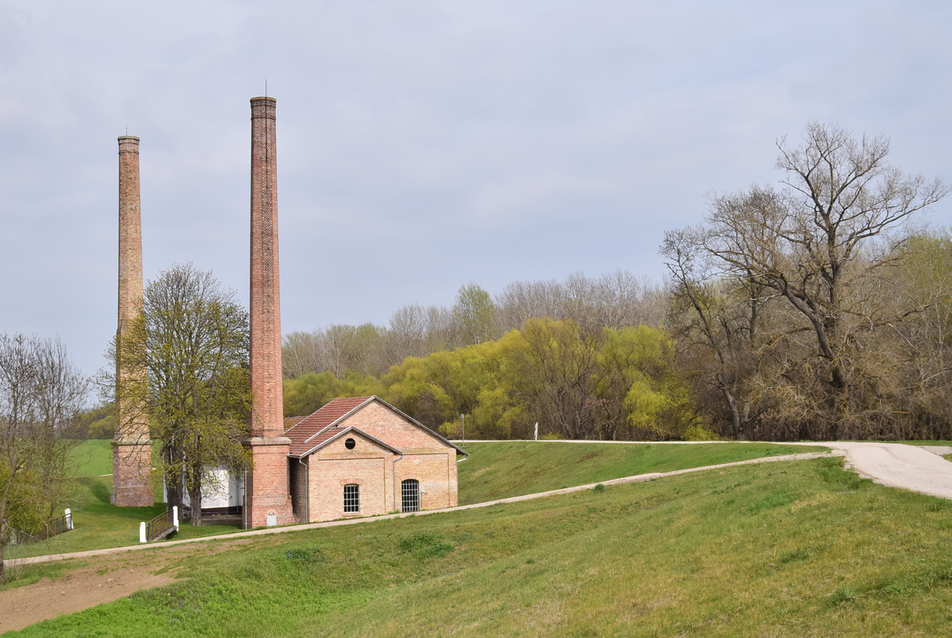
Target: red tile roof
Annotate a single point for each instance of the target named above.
(303, 433)
(311, 431)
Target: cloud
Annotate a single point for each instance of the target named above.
(422, 145)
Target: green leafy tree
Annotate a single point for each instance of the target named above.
(475, 315)
(97, 423)
(595, 384)
(41, 396)
(192, 338)
(641, 376)
(413, 387)
(550, 367)
(309, 392)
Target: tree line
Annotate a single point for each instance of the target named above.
(818, 309)
(611, 301)
(815, 309)
(575, 382)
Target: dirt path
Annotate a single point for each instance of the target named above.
(120, 571)
(101, 579)
(104, 579)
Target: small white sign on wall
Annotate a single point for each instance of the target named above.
(272, 520)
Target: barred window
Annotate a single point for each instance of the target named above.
(351, 498)
(410, 489)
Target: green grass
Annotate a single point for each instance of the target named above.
(494, 470)
(99, 524)
(93, 458)
(799, 548)
(500, 469)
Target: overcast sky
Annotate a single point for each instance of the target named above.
(423, 145)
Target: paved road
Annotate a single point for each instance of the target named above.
(908, 467)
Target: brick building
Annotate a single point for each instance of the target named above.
(362, 457)
(353, 457)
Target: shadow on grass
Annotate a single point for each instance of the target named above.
(96, 488)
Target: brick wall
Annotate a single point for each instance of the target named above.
(130, 231)
(267, 416)
(266, 488)
(388, 426)
(377, 470)
(131, 475)
(366, 465)
(132, 449)
(437, 476)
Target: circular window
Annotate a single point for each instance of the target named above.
(350, 443)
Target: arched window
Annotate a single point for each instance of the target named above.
(410, 490)
(351, 499)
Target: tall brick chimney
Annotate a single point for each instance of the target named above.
(267, 496)
(131, 447)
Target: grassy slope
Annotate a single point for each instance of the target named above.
(495, 470)
(98, 524)
(512, 468)
(787, 549)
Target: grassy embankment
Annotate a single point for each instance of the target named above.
(495, 470)
(799, 548)
(501, 469)
(99, 524)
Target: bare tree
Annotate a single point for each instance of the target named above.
(41, 396)
(521, 301)
(441, 332)
(814, 241)
(612, 301)
(923, 279)
(302, 352)
(408, 332)
(716, 314)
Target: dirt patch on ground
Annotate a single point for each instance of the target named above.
(102, 580)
